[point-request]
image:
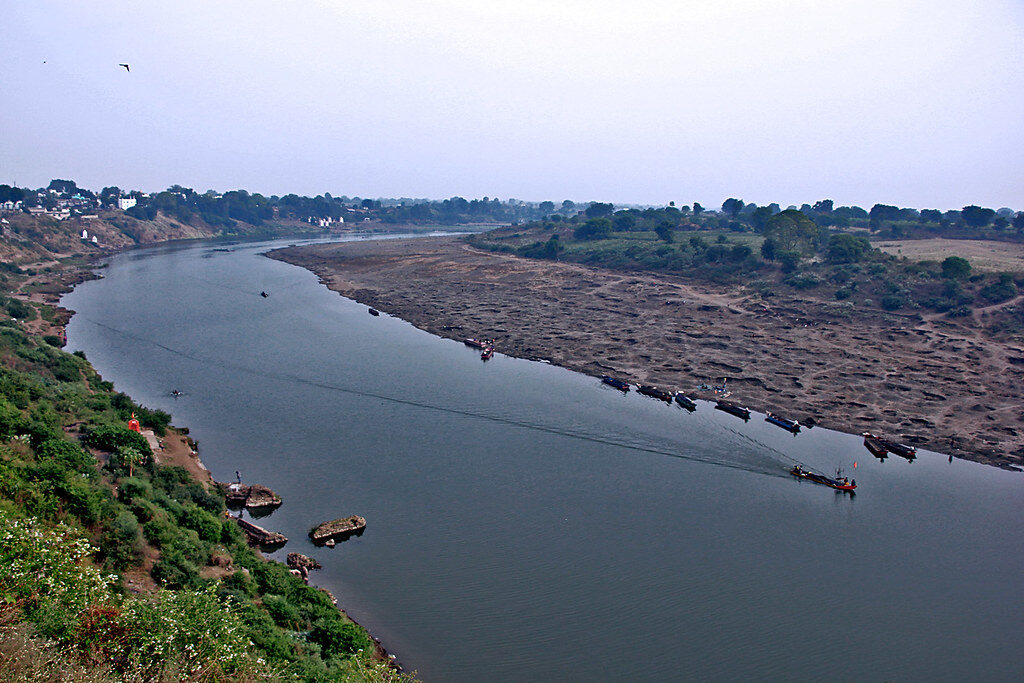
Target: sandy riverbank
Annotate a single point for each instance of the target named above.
(934, 383)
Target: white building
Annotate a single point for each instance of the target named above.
(125, 203)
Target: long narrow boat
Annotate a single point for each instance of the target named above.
(790, 425)
(686, 402)
(733, 409)
(619, 384)
(475, 343)
(655, 392)
(875, 445)
(840, 483)
(908, 452)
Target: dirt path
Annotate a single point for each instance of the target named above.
(936, 384)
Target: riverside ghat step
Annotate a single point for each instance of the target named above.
(329, 533)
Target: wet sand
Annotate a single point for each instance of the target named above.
(933, 383)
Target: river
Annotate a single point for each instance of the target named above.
(528, 523)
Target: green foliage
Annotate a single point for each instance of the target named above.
(112, 438)
(847, 248)
(337, 638)
(594, 229)
(792, 231)
(956, 268)
(999, 291)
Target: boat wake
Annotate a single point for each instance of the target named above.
(751, 456)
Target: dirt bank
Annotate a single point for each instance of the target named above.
(937, 384)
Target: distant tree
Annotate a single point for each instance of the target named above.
(759, 219)
(789, 261)
(664, 232)
(62, 186)
(732, 206)
(768, 249)
(805, 209)
(594, 229)
(697, 209)
(599, 209)
(623, 221)
(976, 216)
(846, 248)
(11, 194)
(1000, 223)
(546, 207)
(740, 252)
(850, 212)
(909, 215)
(568, 206)
(775, 208)
(792, 231)
(1018, 222)
(930, 216)
(822, 206)
(883, 212)
(956, 268)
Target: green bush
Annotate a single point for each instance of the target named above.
(337, 638)
(112, 437)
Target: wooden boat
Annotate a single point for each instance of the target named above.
(619, 384)
(686, 402)
(875, 446)
(476, 343)
(655, 392)
(908, 452)
(374, 311)
(487, 353)
(733, 409)
(839, 483)
(790, 425)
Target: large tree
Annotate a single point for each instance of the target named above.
(792, 231)
(976, 216)
(732, 206)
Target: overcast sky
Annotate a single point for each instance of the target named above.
(916, 104)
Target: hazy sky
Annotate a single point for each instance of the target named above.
(911, 103)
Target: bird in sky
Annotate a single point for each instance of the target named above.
(125, 67)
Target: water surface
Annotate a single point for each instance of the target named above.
(529, 523)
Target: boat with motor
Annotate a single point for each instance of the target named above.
(686, 402)
(875, 446)
(789, 425)
(655, 392)
(374, 312)
(733, 409)
(477, 343)
(619, 384)
(839, 482)
(487, 353)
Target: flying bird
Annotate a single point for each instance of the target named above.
(125, 67)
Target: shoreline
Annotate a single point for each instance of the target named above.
(176, 448)
(894, 374)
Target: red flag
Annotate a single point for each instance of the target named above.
(854, 465)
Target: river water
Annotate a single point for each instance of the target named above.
(528, 523)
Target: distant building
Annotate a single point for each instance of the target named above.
(125, 203)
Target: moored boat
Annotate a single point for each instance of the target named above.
(374, 311)
(733, 409)
(908, 452)
(474, 343)
(686, 402)
(790, 425)
(619, 384)
(487, 353)
(875, 446)
(655, 392)
(840, 483)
